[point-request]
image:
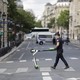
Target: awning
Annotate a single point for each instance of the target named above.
(1, 33)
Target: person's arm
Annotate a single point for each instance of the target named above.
(51, 49)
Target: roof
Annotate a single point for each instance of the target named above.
(63, 1)
(48, 4)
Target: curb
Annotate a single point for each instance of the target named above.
(12, 51)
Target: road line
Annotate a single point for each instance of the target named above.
(45, 74)
(23, 61)
(2, 70)
(45, 69)
(71, 79)
(19, 70)
(74, 58)
(9, 61)
(27, 45)
(21, 56)
(36, 59)
(18, 50)
(47, 78)
(70, 69)
(48, 59)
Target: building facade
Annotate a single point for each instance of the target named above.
(74, 26)
(53, 11)
(46, 15)
(3, 23)
(19, 4)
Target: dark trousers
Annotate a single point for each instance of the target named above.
(60, 56)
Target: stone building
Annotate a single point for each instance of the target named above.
(3, 23)
(74, 26)
(46, 15)
(61, 5)
(53, 11)
(19, 4)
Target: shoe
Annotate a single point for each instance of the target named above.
(66, 67)
(53, 67)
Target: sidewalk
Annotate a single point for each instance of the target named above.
(76, 43)
(12, 51)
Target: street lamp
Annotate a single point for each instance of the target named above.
(0, 27)
(3, 17)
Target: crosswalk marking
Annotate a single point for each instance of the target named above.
(74, 58)
(48, 59)
(2, 70)
(23, 61)
(9, 61)
(72, 79)
(47, 78)
(19, 70)
(36, 59)
(18, 50)
(45, 69)
(70, 69)
(45, 74)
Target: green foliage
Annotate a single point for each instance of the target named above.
(38, 23)
(20, 16)
(52, 23)
(63, 19)
(12, 11)
(26, 18)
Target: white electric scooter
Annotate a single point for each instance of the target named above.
(34, 58)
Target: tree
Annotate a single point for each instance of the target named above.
(63, 19)
(12, 10)
(20, 16)
(52, 23)
(26, 18)
(38, 23)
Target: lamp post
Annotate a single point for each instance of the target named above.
(0, 26)
(3, 17)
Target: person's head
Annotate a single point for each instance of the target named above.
(57, 35)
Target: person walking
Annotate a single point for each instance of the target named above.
(59, 48)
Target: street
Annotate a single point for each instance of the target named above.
(19, 65)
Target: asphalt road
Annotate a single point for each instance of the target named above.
(19, 65)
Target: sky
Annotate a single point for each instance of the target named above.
(37, 6)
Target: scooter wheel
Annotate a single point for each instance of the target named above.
(36, 67)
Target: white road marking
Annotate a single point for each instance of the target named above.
(36, 59)
(47, 78)
(48, 59)
(72, 79)
(2, 70)
(45, 69)
(45, 74)
(19, 70)
(21, 56)
(23, 61)
(70, 69)
(73, 58)
(8, 73)
(27, 45)
(9, 61)
(18, 50)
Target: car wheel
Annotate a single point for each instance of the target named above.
(41, 42)
(36, 42)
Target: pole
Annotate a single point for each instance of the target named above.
(3, 30)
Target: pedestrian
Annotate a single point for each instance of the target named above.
(59, 48)
(54, 41)
(67, 40)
